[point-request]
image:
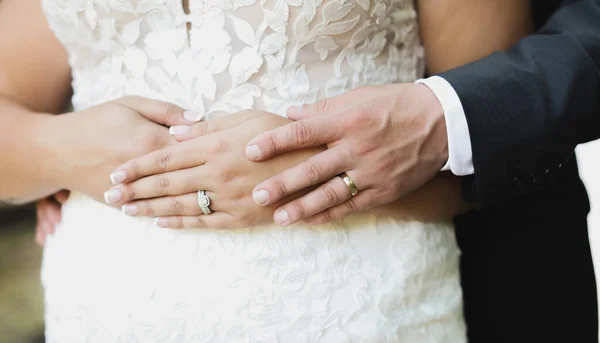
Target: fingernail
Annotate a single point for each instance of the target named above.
(130, 210)
(261, 196)
(179, 129)
(253, 152)
(282, 217)
(161, 222)
(112, 196)
(192, 116)
(118, 177)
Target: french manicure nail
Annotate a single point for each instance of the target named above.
(161, 222)
(192, 116)
(261, 196)
(253, 152)
(282, 217)
(179, 129)
(118, 177)
(130, 210)
(112, 196)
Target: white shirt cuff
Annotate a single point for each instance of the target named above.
(460, 154)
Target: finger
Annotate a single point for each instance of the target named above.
(317, 169)
(48, 228)
(175, 157)
(184, 133)
(177, 182)
(181, 205)
(62, 196)
(43, 225)
(299, 134)
(161, 112)
(40, 210)
(329, 194)
(40, 237)
(53, 213)
(323, 106)
(361, 202)
(215, 220)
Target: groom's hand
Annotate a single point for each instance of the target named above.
(390, 140)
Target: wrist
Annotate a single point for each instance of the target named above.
(51, 136)
(436, 125)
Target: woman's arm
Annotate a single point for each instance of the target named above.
(41, 153)
(458, 32)
(34, 82)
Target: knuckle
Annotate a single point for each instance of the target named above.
(351, 206)
(225, 177)
(323, 105)
(312, 171)
(166, 108)
(364, 148)
(238, 195)
(149, 211)
(299, 209)
(177, 207)
(134, 166)
(129, 192)
(162, 159)
(301, 133)
(331, 194)
(163, 184)
(324, 217)
(358, 119)
(218, 146)
(385, 167)
(200, 129)
(248, 220)
(280, 187)
(154, 142)
(200, 223)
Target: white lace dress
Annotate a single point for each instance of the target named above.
(367, 279)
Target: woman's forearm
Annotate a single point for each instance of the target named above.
(439, 199)
(26, 166)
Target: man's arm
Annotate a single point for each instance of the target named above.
(529, 107)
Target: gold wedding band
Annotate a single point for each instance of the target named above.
(350, 183)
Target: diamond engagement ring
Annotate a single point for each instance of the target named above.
(204, 202)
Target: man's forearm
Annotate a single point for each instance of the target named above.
(529, 107)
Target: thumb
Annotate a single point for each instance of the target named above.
(160, 112)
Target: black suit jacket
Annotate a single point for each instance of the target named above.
(526, 268)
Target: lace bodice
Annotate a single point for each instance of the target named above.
(230, 55)
(368, 279)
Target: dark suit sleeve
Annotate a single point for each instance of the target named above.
(527, 108)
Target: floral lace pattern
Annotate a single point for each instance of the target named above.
(238, 54)
(112, 278)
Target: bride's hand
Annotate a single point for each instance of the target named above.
(48, 212)
(164, 184)
(87, 145)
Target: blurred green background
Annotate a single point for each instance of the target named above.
(21, 301)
